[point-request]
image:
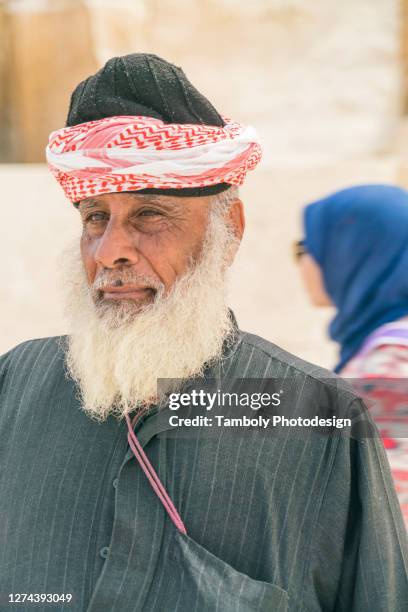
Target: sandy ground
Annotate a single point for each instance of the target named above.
(265, 289)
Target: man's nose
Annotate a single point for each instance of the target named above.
(117, 246)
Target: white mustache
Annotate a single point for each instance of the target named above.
(118, 278)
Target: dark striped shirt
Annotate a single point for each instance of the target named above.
(299, 523)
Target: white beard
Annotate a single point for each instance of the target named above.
(117, 355)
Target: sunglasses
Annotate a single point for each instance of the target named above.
(298, 249)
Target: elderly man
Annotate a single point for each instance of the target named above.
(110, 499)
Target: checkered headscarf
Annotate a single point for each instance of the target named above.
(139, 124)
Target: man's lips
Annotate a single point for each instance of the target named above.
(126, 292)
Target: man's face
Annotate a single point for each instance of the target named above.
(152, 302)
(134, 246)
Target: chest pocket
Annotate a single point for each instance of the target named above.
(201, 582)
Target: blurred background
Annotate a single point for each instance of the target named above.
(324, 82)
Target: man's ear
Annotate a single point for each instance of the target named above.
(235, 217)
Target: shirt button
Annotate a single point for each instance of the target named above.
(104, 552)
(115, 483)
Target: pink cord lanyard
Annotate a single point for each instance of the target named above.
(153, 477)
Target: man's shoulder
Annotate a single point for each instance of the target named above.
(266, 351)
(264, 359)
(35, 350)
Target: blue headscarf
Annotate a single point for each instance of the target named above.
(359, 238)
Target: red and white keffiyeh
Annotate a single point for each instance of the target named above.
(131, 153)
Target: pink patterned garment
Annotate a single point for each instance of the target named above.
(129, 153)
(381, 367)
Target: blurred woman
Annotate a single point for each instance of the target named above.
(354, 257)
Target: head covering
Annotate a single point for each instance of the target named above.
(359, 238)
(136, 153)
(141, 102)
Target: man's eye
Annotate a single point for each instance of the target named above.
(95, 217)
(150, 212)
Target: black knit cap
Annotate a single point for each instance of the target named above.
(146, 85)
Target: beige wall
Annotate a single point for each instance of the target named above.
(404, 51)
